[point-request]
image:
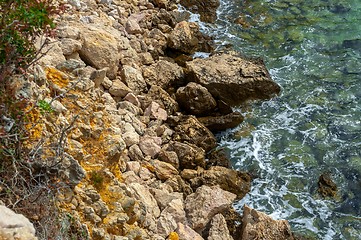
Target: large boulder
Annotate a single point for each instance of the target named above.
(257, 225)
(160, 96)
(100, 49)
(190, 130)
(205, 203)
(195, 99)
(187, 38)
(206, 9)
(221, 123)
(189, 155)
(232, 79)
(15, 226)
(163, 74)
(230, 180)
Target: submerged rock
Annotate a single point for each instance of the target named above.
(257, 225)
(206, 9)
(233, 79)
(326, 187)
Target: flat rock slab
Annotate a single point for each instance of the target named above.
(233, 79)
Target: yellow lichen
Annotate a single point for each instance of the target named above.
(56, 77)
(173, 236)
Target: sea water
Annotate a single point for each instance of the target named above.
(313, 51)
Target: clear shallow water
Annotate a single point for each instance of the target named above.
(313, 50)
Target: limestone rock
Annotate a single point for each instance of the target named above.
(189, 129)
(160, 96)
(70, 46)
(187, 233)
(174, 213)
(233, 79)
(154, 111)
(132, 24)
(100, 50)
(163, 74)
(169, 157)
(205, 203)
(221, 123)
(150, 145)
(219, 230)
(257, 225)
(228, 179)
(119, 89)
(190, 156)
(163, 197)
(206, 9)
(15, 226)
(164, 170)
(196, 99)
(142, 194)
(134, 79)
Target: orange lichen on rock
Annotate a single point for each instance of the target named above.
(56, 77)
(173, 236)
(34, 125)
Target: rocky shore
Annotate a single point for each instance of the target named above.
(135, 115)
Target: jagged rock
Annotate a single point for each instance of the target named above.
(221, 123)
(70, 46)
(169, 157)
(160, 96)
(228, 179)
(134, 79)
(163, 197)
(195, 99)
(164, 170)
(326, 187)
(174, 213)
(132, 24)
(143, 195)
(130, 97)
(70, 170)
(186, 38)
(219, 229)
(54, 53)
(154, 111)
(150, 145)
(233, 79)
(114, 145)
(100, 50)
(15, 226)
(130, 107)
(257, 225)
(163, 74)
(135, 153)
(206, 9)
(205, 203)
(98, 76)
(189, 155)
(187, 233)
(189, 129)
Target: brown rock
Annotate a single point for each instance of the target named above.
(169, 157)
(184, 37)
(187, 233)
(233, 79)
(195, 99)
(189, 155)
(221, 123)
(134, 79)
(150, 145)
(219, 229)
(174, 213)
(206, 9)
(205, 203)
(189, 129)
(228, 179)
(257, 225)
(326, 187)
(160, 96)
(164, 170)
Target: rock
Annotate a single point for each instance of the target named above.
(114, 145)
(164, 170)
(15, 226)
(98, 76)
(53, 54)
(154, 111)
(219, 230)
(150, 145)
(169, 157)
(135, 153)
(119, 89)
(195, 99)
(206, 9)
(163, 197)
(143, 195)
(160, 96)
(257, 225)
(130, 107)
(326, 187)
(100, 50)
(189, 129)
(221, 123)
(163, 74)
(186, 38)
(70, 170)
(205, 203)
(130, 138)
(230, 180)
(70, 46)
(161, 3)
(132, 24)
(232, 79)
(190, 156)
(134, 79)
(218, 157)
(130, 97)
(174, 213)
(187, 233)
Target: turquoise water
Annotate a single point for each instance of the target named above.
(313, 50)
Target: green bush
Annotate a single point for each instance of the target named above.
(21, 22)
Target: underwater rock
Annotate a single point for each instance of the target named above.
(326, 187)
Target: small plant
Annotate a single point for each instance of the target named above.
(45, 107)
(96, 179)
